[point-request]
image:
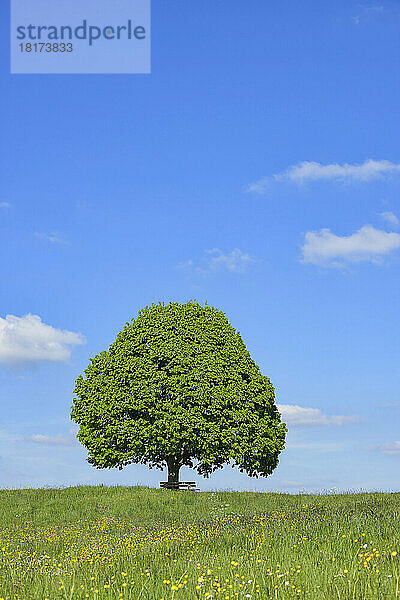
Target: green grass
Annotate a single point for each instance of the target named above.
(153, 544)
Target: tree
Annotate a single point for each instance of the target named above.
(178, 385)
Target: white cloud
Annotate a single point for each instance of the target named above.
(27, 340)
(323, 247)
(53, 237)
(370, 169)
(368, 10)
(390, 218)
(54, 440)
(5, 204)
(376, 8)
(184, 264)
(297, 415)
(236, 262)
(312, 171)
(392, 448)
(39, 438)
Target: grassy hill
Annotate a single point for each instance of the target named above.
(143, 543)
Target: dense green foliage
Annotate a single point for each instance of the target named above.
(178, 384)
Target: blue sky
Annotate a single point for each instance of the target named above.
(257, 167)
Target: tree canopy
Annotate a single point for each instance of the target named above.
(178, 385)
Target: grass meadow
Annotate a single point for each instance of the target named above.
(113, 543)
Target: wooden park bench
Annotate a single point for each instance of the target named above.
(179, 485)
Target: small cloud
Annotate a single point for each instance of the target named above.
(52, 440)
(262, 186)
(5, 205)
(236, 262)
(390, 218)
(38, 438)
(184, 264)
(53, 238)
(368, 10)
(370, 169)
(26, 341)
(313, 171)
(323, 247)
(392, 448)
(375, 8)
(295, 416)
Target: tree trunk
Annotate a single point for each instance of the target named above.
(173, 469)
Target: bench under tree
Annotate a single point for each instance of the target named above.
(179, 485)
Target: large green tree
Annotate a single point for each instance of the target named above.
(178, 385)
